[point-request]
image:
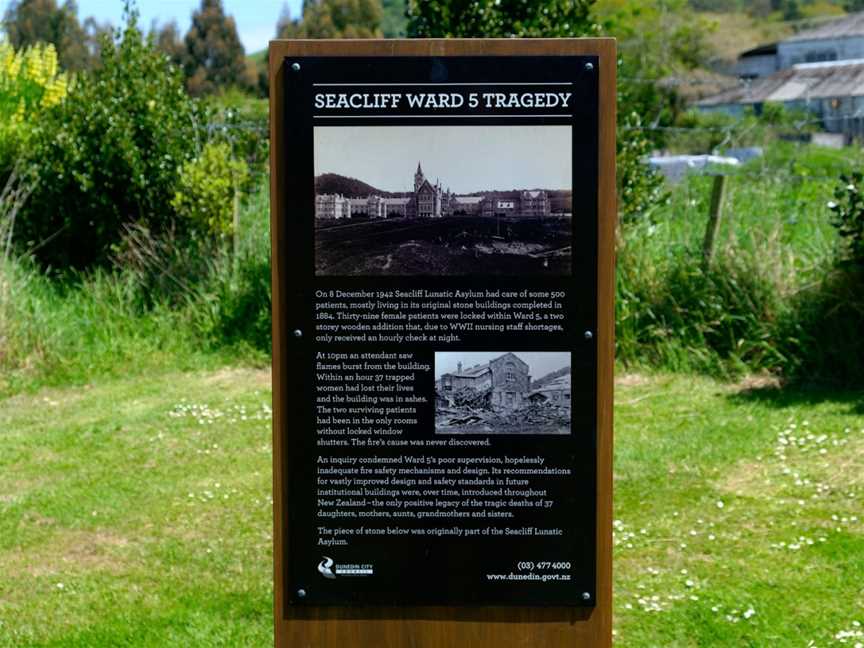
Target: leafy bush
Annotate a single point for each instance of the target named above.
(111, 154)
(821, 336)
(207, 188)
(641, 189)
(848, 208)
(242, 122)
(496, 19)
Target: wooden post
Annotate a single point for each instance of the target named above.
(715, 213)
(236, 216)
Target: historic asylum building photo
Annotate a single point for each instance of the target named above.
(429, 200)
(505, 379)
(499, 396)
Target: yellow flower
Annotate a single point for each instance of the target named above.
(30, 80)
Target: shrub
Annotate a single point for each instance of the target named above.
(207, 189)
(243, 123)
(30, 83)
(822, 335)
(848, 208)
(641, 189)
(111, 154)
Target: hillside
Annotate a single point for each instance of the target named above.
(537, 384)
(333, 183)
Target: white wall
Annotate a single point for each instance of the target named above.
(790, 53)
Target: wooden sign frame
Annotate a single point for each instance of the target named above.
(442, 626)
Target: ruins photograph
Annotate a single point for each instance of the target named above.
(502, 392)
(443, 200)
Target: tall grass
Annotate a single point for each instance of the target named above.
(120, 321)
(773, 299)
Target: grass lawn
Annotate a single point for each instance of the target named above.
(137, 512)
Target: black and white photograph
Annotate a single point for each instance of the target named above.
(443, 200)
(502, 392)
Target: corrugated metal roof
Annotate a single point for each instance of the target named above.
(851, 25)
(803, 81)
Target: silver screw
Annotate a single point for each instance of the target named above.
(589, 66)
(301, 593)
(588, 335)
(586, 596)
(295, 67)
(298, 333)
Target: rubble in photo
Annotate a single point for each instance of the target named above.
(498, 397)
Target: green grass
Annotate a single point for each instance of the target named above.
(114, 323)
(127, 517)
(717, 506)
(137, 512)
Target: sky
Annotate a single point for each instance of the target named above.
(256, 19)
(540, 363)
(465, 158)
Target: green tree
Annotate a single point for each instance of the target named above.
(792, 10)
(29, 22)
(214, 55)
(394, 23)
(499, 18)
(168, 41)
(336, 19)
(96, 33)
(287, 25)
(110, 155)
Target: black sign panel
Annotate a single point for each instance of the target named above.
(440, 400)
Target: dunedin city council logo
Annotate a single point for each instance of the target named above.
(326, 568)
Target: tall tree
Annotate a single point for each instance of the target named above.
(287, 26)
(33, 21)
(336, 19)
(214, 55)
(394, 22)
(168, 41)
(499, 18)
(95, 35)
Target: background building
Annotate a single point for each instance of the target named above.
(331, 206)
(556, 392)
(819, 70)
(841, 39)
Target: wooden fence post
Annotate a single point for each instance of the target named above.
(715, 213)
